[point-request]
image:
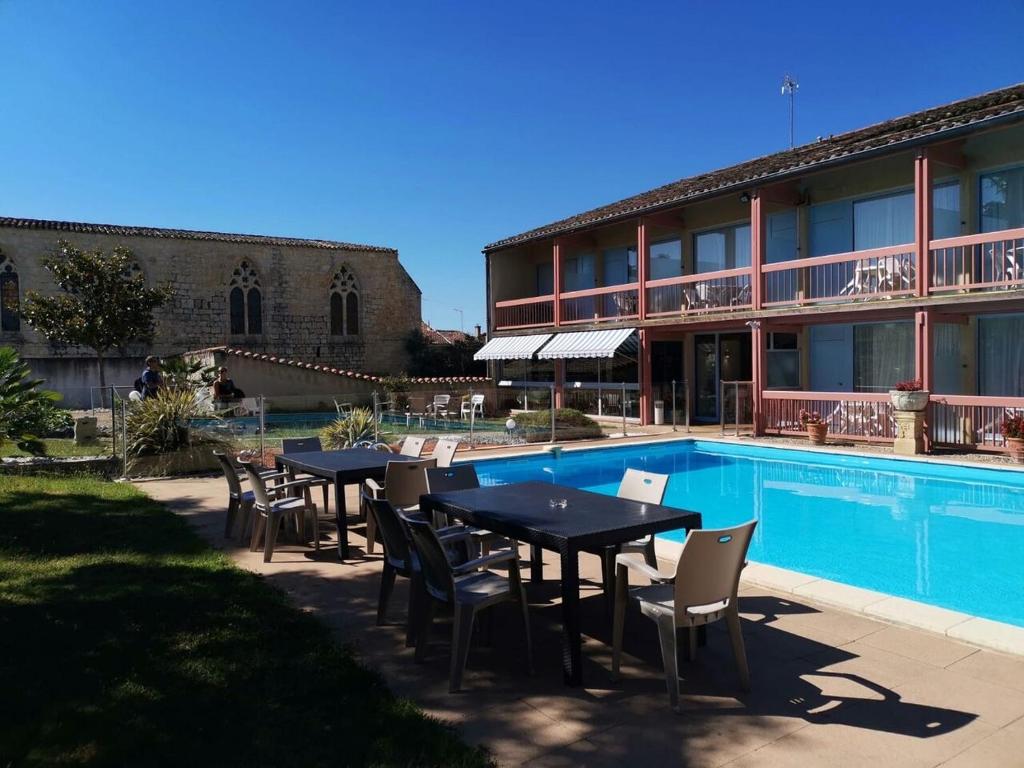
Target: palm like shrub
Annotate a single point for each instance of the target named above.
(22, 403)
(346, 432)
(160, 424)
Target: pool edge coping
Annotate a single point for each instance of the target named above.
(898, 611)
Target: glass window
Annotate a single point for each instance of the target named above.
(1002, 200)
(254, 303)
(579, 273)
(830, 228)
(781, 243)
(545, 279)
(352, 313)
(620, 266)
(946, 210)
(883, 221)
(783, 361)
(1001, 356)
(883, 354)
(10, 319)
(236, 301)
(726, 248)
(666, 259)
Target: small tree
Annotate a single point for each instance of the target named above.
(105, 303)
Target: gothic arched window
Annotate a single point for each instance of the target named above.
(344, 303)
(245, 301)
(10, 296)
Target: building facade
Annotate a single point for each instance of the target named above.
(814, 278)
(339, 304)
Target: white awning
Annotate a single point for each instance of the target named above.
(586, 344)
(512, 347)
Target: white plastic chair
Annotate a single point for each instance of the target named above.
(273, 508)
(413, 446)
(444, 451)
(472, 405)
(404, 483)
(702, 591)
(439, 407)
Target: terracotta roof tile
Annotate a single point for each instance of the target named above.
(906, 130)
(184, 234)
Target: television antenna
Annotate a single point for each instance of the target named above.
(789, 88)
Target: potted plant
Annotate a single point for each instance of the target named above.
(1013, 433)
(909, 396)
(816, 427)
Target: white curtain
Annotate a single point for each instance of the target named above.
(883, 221)
(1001, 356)
(883, 354)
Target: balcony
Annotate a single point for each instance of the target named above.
(869, 275)
(533, 312)
(977, 263)
(708, 292)
(615, 302)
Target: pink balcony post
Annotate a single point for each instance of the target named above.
(923, 357)
(923, 221)
(757, 246)
(758, 351)
(556, 272)
(646, 389)
(643, 260)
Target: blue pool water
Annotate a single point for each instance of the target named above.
(945, 535)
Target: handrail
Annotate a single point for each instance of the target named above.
(979, 239)
(786, 394)
(839, 258)
(527, 300)
(983, 400)
(587, 292)
(699, 277)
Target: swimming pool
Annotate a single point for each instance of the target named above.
(945, 535)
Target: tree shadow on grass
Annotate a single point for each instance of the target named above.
(126, 641)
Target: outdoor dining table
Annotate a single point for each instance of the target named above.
(351, 466)
(532, 513)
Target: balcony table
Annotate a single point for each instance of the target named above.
(352, 466)
(523, 512)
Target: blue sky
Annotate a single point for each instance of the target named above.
(437, 127)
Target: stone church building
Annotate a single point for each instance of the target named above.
(322, 301)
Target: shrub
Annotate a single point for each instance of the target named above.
(346, 432)
(1013, 426)
(809, 417)
(44, 418)
(570, 424)
(24, 407)
(160, 424)
(911, 385)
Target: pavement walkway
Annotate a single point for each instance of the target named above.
(830, 688)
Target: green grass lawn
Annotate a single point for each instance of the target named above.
(125, 640)
(61, 447)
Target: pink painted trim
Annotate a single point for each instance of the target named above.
(699, 310)
(982, 239)
(523, 302)
(517, 327)
(699, 278)
(609, 319)
(851, 298)
(972, 287)
(625, 287)
(839, 258)
(858, 397)
(996, 402)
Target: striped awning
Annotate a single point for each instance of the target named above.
(586, 344)
(512, 347)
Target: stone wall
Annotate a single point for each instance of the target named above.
(295, 281)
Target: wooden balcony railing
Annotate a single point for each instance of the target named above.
(967, 421)
(990, 262)
(614, 302)
(721, 291)
(878, 273)
(854, 415)
(524, 313)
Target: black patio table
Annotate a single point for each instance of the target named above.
(347, 467)
(523, 511)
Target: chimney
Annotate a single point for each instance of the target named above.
(478, 332)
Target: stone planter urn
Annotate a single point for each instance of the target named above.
(915, 400)
(1016, 446)
(817, 433)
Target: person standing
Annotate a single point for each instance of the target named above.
(151, 378)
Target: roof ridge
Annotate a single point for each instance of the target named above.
(132, 230)
(323, 368)
(898, 130)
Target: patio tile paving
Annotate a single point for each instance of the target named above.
(829, 687)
